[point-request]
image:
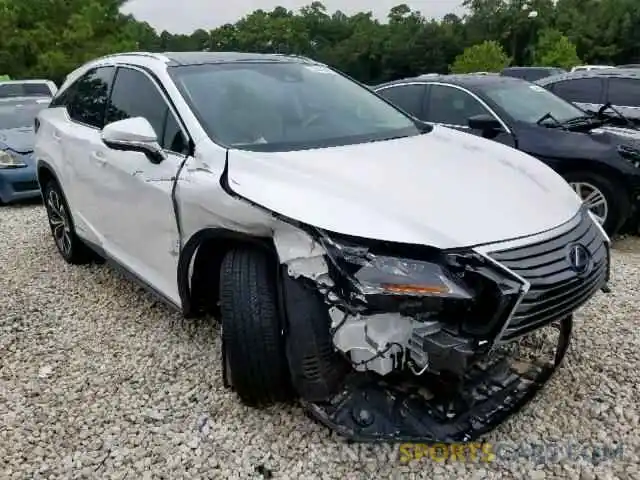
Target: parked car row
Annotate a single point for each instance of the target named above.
(20, 102)
(376, 265)
(592, 90)
(600, 162)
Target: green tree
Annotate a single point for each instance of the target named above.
(555, 50)
(488, 56)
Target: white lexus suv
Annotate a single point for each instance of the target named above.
(387, 273)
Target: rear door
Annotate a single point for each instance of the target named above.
(452, 106)
(410, 97)
(73, 134)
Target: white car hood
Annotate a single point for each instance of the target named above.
(446, 189)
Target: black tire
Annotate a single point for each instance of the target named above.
(252, 328)
(317, 370)
(72, 249)
(619, 205)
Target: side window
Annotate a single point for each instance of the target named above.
(624, 92)
(409, 98)
(580, 90)
(451, 106)
(135, 95)
(88, 101)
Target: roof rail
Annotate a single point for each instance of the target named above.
(157, 56)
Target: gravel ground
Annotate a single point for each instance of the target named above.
(97, 380)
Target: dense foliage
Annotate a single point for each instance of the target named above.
(48, 38)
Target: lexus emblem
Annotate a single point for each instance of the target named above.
(579, 258)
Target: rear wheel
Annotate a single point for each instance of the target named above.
(70, 246)
(255, 362)
(604, 197)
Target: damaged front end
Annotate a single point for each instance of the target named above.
(407, 343)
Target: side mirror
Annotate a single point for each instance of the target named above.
(487, 124)
(133, 135)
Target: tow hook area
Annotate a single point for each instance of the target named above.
(374, 408)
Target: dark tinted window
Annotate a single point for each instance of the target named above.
(624, 92)
(88, 99)
(581, 90)
(135, 95)
(408, 97)
(8, 90)
(452, 106)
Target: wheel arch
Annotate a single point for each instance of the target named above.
(44, 173)
(585, 165)
(200, 261)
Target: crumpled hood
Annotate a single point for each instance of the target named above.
(446, 189)
(20, 140)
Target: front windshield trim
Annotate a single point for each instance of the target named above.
(412, 127)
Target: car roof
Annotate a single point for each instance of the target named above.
(200, 58)
(598, 73)
(203, 58)
(462, 80)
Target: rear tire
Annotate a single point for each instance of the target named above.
(252, 328)
(72, 249)
(618, 205)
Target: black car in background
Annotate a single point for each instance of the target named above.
(601, 163)
(531, 74)
(592, 90)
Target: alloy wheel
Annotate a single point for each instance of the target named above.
(59, 221)
(593, 199)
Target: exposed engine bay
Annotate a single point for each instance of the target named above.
(419, 344)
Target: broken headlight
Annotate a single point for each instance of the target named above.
(384, 281)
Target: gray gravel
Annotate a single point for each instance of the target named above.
(97, 380)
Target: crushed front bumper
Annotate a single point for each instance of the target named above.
(372, 409)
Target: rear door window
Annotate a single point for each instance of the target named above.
(580, 90)
(409, 98)
(624, 92)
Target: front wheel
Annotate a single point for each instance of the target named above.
(604, 197)
(255, 362)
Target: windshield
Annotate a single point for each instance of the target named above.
(280, 106)
(19, 115)
(529, 103)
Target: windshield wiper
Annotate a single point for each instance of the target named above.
(609, 106)
(549, 116)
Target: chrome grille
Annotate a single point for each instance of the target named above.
(556, 289)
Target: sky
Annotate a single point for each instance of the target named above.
(185, 16)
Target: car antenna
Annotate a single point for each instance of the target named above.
(609, 106)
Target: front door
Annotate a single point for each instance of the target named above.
(136, 195)
(452, 106)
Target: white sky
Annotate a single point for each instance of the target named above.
(185, 16)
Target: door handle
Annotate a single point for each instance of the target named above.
(56, 135)
(99, 157)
